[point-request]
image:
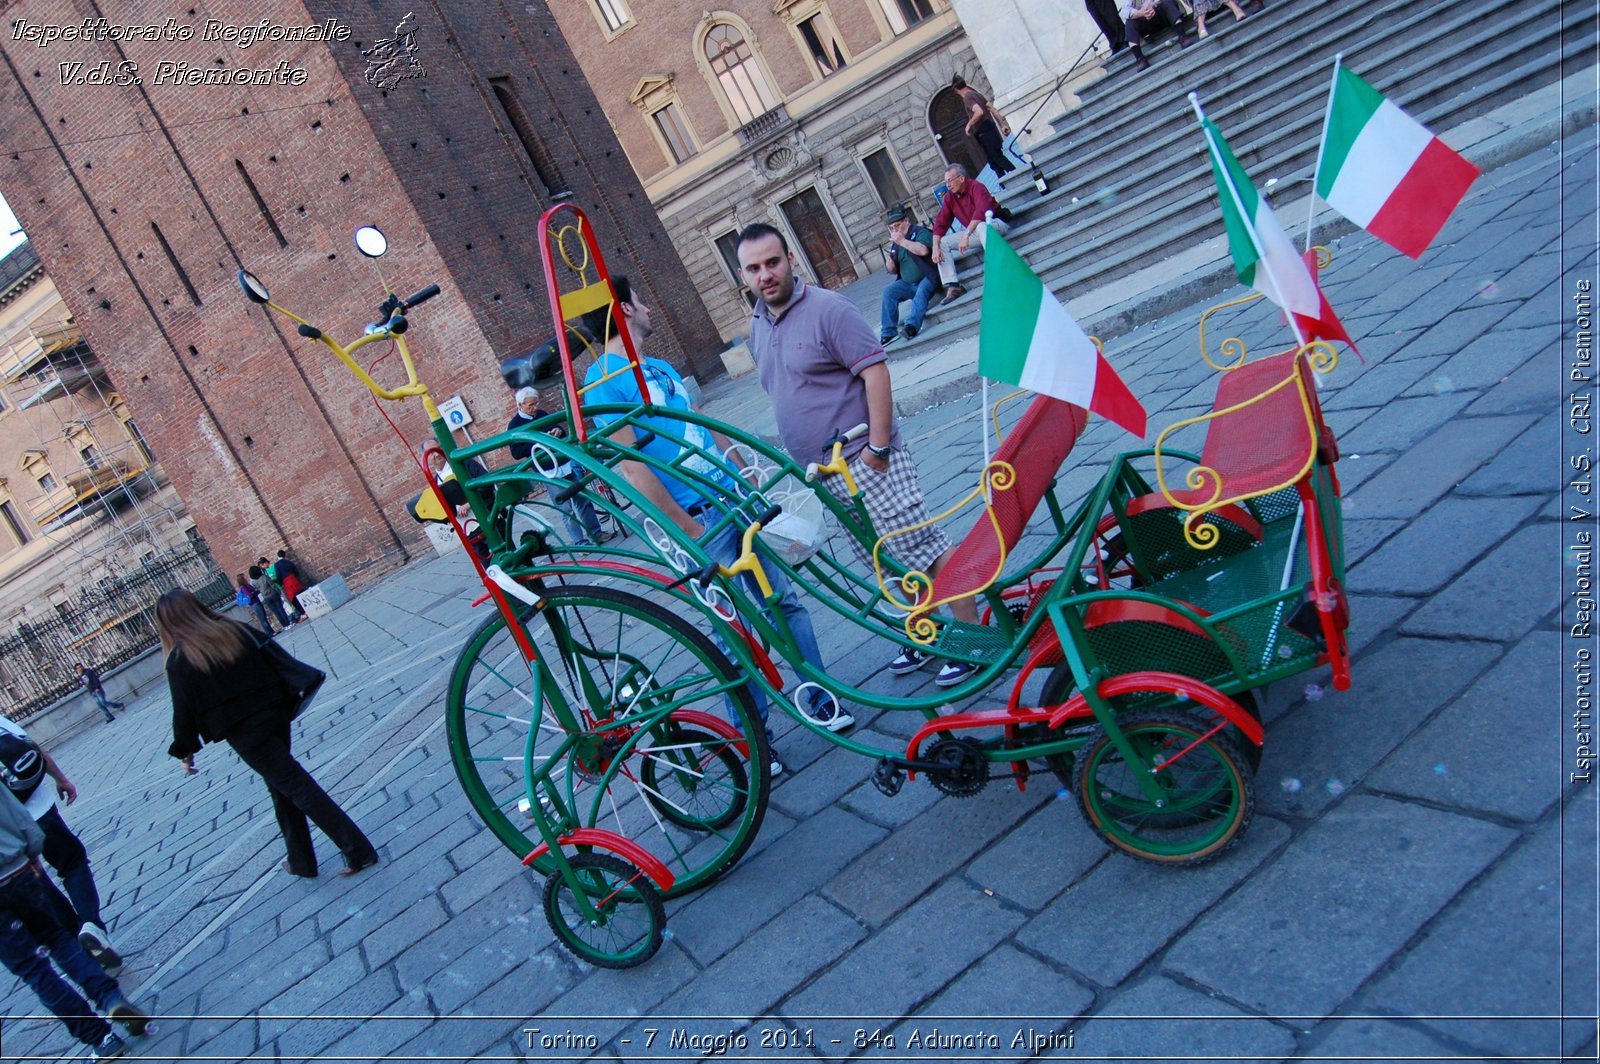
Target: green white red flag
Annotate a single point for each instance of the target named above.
(1027, 338)
(1326, 325)
(1263, 255)
(1384, 171)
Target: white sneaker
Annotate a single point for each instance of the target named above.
(908, 661)
(94, 941)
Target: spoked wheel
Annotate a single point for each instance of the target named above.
(621, 725)
(613, 918)
(694, 779)
(1060, 686)
(1206, 796)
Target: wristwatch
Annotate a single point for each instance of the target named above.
(880, 452)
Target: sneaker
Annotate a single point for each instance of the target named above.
(955, 672)
(775, 765)
(110, 1048)
(910, 331)
(96, 944)
(889, 340)
(120, 1010)
(908, 661)
(831, 715)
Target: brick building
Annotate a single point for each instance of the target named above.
(811, 115)
(143, 197)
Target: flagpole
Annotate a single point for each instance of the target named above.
(983, 432)
(1250, 224)
(1316, 173)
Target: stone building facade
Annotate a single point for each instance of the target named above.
(152, 160)
(82, 498)
(810, 115)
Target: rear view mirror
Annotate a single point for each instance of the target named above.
(254, 290)
(371, 242)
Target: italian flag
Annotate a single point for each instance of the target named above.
(1263, 255)
(1027, 338)
(1384, 171)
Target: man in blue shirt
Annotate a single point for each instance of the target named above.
(686, 505)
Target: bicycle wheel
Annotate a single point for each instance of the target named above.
(1060, 686)
(625, 704)
(1206, 793)
(694, 779)
(628, 919)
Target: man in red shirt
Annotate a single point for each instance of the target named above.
(968, 202)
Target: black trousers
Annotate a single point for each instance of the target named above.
(1106, 16)
(987, 134)
(64, 852)
(296, 798)
(1168, 13)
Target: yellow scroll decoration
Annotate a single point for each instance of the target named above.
(1322, 358)
(996, 476)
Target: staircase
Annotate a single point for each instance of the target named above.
(1130, 179)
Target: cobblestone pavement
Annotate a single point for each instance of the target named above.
(1419, 879)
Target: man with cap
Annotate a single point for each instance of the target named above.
(24, 764)
(916, 277)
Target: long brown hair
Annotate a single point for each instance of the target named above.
(206, 639)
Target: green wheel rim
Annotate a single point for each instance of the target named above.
(626, 701)
(1207, 795)
(618, 921)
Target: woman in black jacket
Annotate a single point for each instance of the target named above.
(224, 688)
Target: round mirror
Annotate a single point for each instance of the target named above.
(254, 290)
(371, 242)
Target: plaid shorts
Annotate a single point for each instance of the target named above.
(893, 501)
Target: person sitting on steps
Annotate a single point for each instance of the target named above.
(969, 203)
(1144, 17)
(1202, 8)
(915, 276)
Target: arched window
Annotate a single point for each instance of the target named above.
(737, 71)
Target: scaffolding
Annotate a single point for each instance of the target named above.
(100, 531)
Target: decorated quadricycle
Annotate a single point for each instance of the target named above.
(606, 720)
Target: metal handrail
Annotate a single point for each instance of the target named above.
(1060, 81)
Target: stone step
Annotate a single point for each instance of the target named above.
(1156, 177)
(1085, 157)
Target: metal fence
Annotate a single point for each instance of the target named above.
(103, 626)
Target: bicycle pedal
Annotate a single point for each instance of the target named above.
(888, 777)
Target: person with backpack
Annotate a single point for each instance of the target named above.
(35, 929)
(287, 576)
(915, 276)
(247, 596)
(272, 580)
(24, 765)
(269, 594)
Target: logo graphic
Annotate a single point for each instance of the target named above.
(394, 59)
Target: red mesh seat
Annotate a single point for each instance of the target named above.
(1264, 445)
(1035, 449)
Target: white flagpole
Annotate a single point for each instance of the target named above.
(1249, 224)
(1316, 173)
(983, 431)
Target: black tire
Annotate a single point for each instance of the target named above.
(631, 917)
(1060, 685)
(1209, 796)
(502, 724)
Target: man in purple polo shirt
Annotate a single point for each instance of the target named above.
(825, 371)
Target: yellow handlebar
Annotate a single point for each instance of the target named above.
(412, 387)
(749, 562)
